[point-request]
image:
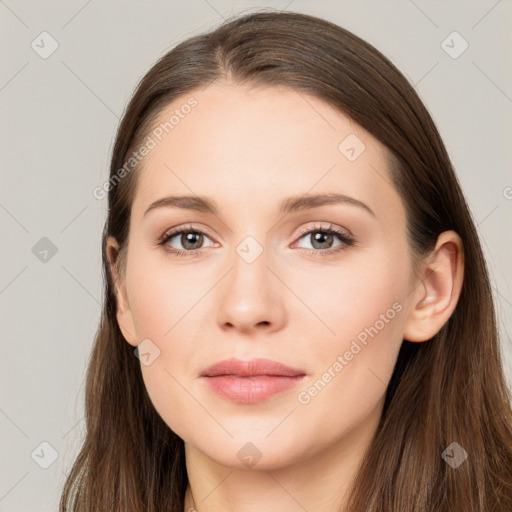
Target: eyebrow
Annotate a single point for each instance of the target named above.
(288, 205)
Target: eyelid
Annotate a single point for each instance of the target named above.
(331, 227)
(178, 230)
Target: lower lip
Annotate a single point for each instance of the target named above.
(251, 390)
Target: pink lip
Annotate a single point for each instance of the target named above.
(250, 381)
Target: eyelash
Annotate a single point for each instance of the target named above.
(346, 240)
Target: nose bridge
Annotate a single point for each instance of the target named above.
(250, 265)
(250, 295)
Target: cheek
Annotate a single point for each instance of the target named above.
(170, 394)
(165, 302)
(355, 355)
(364, 308)
(164, 314)
(161, 295)
(351, 297)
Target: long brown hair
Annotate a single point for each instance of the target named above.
(448, 389)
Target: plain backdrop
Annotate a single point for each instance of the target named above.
(59, 115)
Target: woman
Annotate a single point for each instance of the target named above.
(236, 368)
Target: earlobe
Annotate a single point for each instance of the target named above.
(438, 290)
(123, 313)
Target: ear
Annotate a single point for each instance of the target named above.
(437, 291)
(123, 314)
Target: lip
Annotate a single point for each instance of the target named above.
(251, 381)
(252, 368)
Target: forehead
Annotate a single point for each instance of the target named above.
(254, 144)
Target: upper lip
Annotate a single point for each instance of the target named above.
(254, 367)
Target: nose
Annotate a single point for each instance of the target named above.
(251, 297)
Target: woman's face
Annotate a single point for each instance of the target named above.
(263, 277)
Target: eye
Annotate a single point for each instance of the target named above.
(322, 239)
(190, 238)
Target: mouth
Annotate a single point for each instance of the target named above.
(250, 390)
(250, 382)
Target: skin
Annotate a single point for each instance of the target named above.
(247, 149)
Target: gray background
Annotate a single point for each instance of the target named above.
(59, 118)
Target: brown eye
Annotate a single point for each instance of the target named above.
(321, 240)
(190, 240)
(324, 239)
